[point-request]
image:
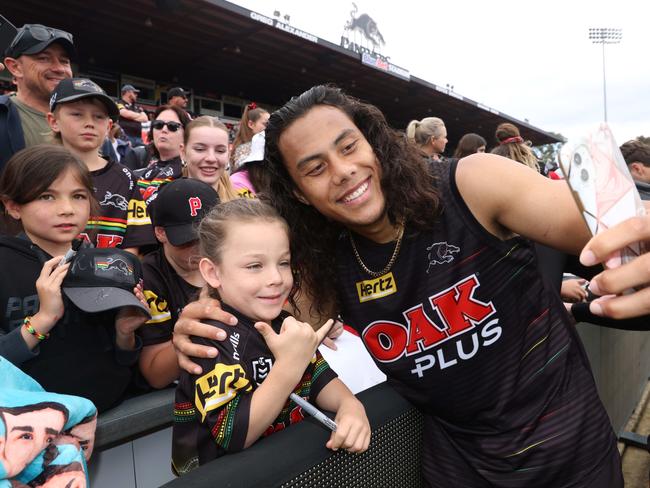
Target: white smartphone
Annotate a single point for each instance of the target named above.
(602, 186)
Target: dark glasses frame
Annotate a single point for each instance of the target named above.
(40, 33)
(171, 125)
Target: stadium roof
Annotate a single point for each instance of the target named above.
(217, 46)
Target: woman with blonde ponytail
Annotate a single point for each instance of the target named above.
(430, 135)
(512, 146)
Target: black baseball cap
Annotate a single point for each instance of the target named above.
(73, 89)
(177, 92)
(180, 206)
(34, 38)
(103, 279)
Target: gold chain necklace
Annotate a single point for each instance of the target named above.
(393, 258)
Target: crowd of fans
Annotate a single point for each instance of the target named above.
(185, 214)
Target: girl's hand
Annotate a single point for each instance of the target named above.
(189, 324)
(335, 332)
(296, 343)
(48, 287)
(353, 429)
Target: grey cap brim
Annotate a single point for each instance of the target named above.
(101, 299)
(111, 106)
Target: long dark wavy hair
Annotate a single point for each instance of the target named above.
(406, 182)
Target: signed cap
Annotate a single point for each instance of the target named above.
(72, 89)
(103, 279)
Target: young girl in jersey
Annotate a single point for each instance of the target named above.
(268, 356)
(205, 152)
(81, 115)
(49, 191)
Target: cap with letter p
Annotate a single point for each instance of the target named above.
(180, 206)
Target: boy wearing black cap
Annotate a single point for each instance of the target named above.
(171, 274)
(38, 58)
(81, 114)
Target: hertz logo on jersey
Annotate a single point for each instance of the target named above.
(158, 308)
(376, 288)
(219, 386)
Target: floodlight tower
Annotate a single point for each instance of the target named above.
(605, 35)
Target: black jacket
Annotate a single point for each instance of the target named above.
(80, 356)
(12, 138)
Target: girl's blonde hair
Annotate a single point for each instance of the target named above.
(421, 131)
(512, 146)
(252, 113)
(213, 228)
(225, 189)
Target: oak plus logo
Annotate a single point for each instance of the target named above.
(458, 313)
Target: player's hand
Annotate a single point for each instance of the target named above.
(612, 282)
(352, 427)
(296, 343)
(189, 324)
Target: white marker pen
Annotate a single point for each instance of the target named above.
(314, 412)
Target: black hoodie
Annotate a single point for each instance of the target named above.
(80, 356)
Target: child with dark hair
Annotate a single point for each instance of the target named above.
(171, 272)
(49, 191)
(81, 115)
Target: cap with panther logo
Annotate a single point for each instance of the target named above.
(73, 89)
(180, 206)
(103, 279)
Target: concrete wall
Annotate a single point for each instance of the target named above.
(620, 361)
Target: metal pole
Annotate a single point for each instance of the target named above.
(604, 85)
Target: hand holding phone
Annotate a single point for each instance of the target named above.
(602, 186)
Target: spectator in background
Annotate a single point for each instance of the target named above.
(38, 58)
(637, 157)
(252, 176)
(253, 120)
(114, 147)
(131, 115)
(430, 135)
(470, 144)
(178, 97)
(167, 132)
(206, 155)
(512, 146)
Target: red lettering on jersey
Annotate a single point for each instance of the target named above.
(85, 237)
(195, 205)
(108, 240)
(385, 340)
(456, 305)
(421, 328)
(296, 415)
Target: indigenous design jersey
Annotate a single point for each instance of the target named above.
(151, 178)
(122, 220)
(167, 294)
(211, 411)
(465, 329)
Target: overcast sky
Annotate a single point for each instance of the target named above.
(530, 60)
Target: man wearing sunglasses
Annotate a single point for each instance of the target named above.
(131, 115)
(38, 59)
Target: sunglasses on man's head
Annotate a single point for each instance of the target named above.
(40, 33)
(171, 125)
